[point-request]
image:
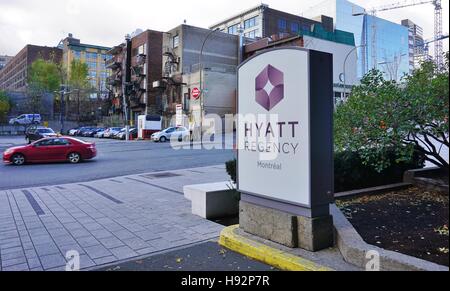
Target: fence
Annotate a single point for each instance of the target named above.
(12, 130)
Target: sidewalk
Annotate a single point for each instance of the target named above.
(106, 221)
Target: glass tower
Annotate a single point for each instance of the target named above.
(390, 40)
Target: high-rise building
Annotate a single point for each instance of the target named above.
(14, 76)
(382, 44)
(93, 55)
(4, 60)
(415, 43)
(263, 21)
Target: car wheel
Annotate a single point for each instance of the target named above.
(74, 158)
(18, 159)
(163, 139)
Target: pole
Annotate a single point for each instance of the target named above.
(201, 81)
(126, 82)
(345, 68)
(63, 108)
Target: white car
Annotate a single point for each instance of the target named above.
(111, 132)
(179, 133)
(73, 131)
(100, 134)
(26, 119)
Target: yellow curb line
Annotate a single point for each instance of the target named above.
(265, 254)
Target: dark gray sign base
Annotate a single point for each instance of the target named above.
(311, 234)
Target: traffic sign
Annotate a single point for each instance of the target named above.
(196, 93)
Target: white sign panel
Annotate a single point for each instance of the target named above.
(179, 115)
(274, 127)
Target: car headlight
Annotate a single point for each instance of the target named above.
(7, 152)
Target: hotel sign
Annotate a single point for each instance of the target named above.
(285, 144)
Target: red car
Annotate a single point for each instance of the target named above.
(57, 149)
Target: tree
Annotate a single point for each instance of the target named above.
(4, 106)
(43, 77)
(79, 83)
(410, 117)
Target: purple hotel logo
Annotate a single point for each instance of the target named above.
(269, 87)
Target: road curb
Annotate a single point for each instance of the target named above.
(265, 254)
(355, 250)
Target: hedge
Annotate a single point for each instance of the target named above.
(352, 174)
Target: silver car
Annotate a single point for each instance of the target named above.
(179, 133)
(111, 132)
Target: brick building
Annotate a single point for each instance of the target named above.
(145, 68)
(13, 77)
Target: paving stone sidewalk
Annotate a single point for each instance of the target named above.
(105, 221)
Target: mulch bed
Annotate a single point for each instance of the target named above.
(412, 221)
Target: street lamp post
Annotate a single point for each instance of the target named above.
(345, 68)
(201, 81)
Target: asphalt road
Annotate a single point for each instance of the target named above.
(208, 256)
(115, 158)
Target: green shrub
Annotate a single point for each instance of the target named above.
(350, 172)
(231, 170)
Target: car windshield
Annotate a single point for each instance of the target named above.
(45, 130)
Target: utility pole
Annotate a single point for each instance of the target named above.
(125, 85)
(63, 107)
(201, 69)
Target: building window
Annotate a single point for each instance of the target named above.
(282, 25)
(295, 27)
(233, 29)
(142, 50)
(252, 34)
(176, 41)
(76, 55)
(249, 23)
(92, 65)
(93, 74)
(91, 56)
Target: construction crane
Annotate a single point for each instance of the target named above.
(437, 26)
(426, 45)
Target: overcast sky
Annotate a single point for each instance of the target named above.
(105, 22)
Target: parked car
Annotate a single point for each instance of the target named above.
(180, 133)
(26, 119)
(73, 131)
(122, 135)
(100, 133)
(57, 149)
(110, 132)
(90, 132)
(35, 133)
(83, 130)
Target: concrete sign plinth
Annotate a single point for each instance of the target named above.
(285, 147)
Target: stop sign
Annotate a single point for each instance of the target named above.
(195, 93)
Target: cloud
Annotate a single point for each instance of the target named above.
(105, 22)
